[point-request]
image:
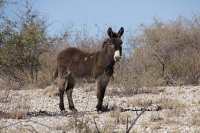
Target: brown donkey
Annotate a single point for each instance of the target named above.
(73, 63)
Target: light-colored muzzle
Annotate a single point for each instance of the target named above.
(117, 56)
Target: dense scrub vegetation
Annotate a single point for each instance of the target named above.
(164, 53)
(22, 43)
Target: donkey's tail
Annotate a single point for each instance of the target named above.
(55, 74)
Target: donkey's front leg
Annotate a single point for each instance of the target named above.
(102, 83)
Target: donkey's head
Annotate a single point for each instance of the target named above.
(114, 42)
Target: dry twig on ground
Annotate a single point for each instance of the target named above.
(134, 121)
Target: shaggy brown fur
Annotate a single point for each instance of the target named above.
(73, 63)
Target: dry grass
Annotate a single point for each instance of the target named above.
(195, 119)
(154, 127)
(168, 103)
(80, 125)
(13, 106)
(140, 102)
(22, 129)
(51, 90)
(119, 117)
(173, 116)
(155, 117)
(12, 115)
(122, 91)
(176, 112)
(108, 127)
(5, 96)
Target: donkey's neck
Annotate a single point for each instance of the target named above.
(103, 64)
(110, 68)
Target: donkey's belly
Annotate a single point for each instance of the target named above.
(85, 79)
(82, 70)
(84, 76)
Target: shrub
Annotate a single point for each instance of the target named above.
(167, 53)
(21, 45)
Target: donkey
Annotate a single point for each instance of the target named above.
(72, 63)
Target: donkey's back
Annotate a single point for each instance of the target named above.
(77, 62)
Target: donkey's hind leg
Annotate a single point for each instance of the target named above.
(69, 90)
(61, 85)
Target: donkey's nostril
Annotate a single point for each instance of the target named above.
(117, 58)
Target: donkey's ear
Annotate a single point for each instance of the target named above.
(110, 32)
(121, 31)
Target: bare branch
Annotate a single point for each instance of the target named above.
(135, 120)
(127, 123)
(96, 126)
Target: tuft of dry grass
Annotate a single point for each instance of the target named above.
(108, 127)
(51, 91)
(119, 117)
(12, 115)
(122, 91)
(80, 125)
(176, 112)
(139, 102)
(155, 117)
(5, 96)
(14, 106)
(195, 119)
(168, 103)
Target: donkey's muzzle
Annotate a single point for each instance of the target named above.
(117, 56)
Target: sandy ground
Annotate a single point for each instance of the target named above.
(179, 111)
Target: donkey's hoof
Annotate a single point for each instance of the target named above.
(63, 112)
(102, 109)
(99, 110)
(73, 110)
(61, 107)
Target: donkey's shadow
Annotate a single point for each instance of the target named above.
(106, 109)
(42, 113)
